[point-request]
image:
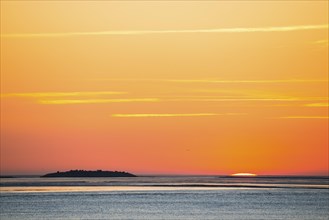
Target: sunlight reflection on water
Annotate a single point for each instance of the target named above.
(99, 188)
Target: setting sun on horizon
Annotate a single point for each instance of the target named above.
(244, 174)
(165, 87)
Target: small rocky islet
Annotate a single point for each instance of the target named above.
(89, 173)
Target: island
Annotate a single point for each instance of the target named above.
(89, 173)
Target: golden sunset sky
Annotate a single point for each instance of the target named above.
(156, 87)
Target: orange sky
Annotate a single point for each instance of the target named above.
(165, 87)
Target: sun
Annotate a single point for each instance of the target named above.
(244, 175)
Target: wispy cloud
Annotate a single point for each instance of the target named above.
(63, 98)
(219, 80)
(325, 104)
(175, 99)
(60, 94)
(306, 117)
(172, 115)
(143, 32)
(248, 81)
(94, 101)
(324, 43)
(100, 101)
(289, 99)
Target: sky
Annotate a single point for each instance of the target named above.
(156, 87)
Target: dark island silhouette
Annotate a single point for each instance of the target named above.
(88, 173)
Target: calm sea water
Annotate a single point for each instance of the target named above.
(165, 198)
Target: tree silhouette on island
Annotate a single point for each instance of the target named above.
(88, 173)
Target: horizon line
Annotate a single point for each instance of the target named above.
(181, 174)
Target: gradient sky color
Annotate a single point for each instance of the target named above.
(156, 87)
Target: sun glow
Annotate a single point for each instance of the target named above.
(215, 87)
(244, 174)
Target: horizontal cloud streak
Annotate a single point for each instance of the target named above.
(155, 99)
(245, 99)
(60, 94)
(94, 101)
(317, 105)
(247, 81)
(306, 117)
(322, 42)
(220, 81)
(171, 115)
(191, 31)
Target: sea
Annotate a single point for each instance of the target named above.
(165, 197)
